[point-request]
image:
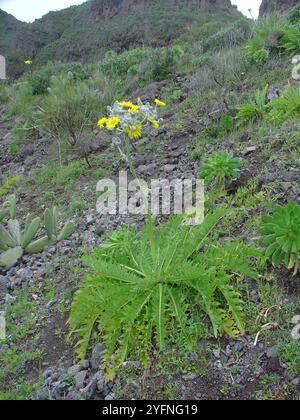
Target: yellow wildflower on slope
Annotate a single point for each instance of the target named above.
(134, 109)
(134, 131)
(28, 62)
(103, 122)
(154, 123)
(112, 123)
(109, 123)
(130, 106)
(158, 102)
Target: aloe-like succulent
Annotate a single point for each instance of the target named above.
(14, 242)
(281, 234)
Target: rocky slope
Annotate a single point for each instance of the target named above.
(269, 6)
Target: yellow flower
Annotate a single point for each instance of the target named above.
(109, 123)
(134, 131)
(134, 109)
(112, 123)
(103, 123)
(154, 123)
(130, 106)
(158, 102)
(126, 104)
(28, 62)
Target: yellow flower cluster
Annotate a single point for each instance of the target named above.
(109, 123)
(28, 62)
(132, 130)
(130, 106)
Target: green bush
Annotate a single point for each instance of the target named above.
(68, 110)
(289, 104)
(281, 234)
(122, 64)
(290, 40)
(221, 168)
(41, 80)
(266, 39)
(148, 290)
(229, 37)
(159, 65)
(294, 15)
(253, 110)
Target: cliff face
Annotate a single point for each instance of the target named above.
(269, 6)
(107, 9)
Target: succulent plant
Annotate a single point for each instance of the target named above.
(14, 242)
(281, 234)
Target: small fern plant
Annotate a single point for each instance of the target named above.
(281, 234)
(221, 169)
(141, 284)
(254, 110)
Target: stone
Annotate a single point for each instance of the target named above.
(249, 150)
(89, 391)
(100, 381)
(272, 352)
(73, 370)
(110, 397)
(97, 358)
(169, 168)
(80, 378)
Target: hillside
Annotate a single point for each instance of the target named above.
(85, 32)
(269, 6)
(118, 289)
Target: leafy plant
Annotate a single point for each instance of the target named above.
(265, 40)
(221, 168)
(289, 104)
(8, 184)
(253, 54)
(253, 110)
(68, 110)
(281, 234)
(14, 242)
(294, 14)
(290, 40)
(142, 283)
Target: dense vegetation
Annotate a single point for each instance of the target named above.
(154, 289)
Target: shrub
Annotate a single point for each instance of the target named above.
(265, 40)
(254, 54)
(289, 104)
(294, 14)
(144, 285)
(281, 234)
(122, 64)
(159, 65)
(253, 110)
(290, 40)
(68, 110)
(221, 168)
(229, 37)
(40, 81)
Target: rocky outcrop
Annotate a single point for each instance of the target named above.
(107, 9)
(269, 6)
